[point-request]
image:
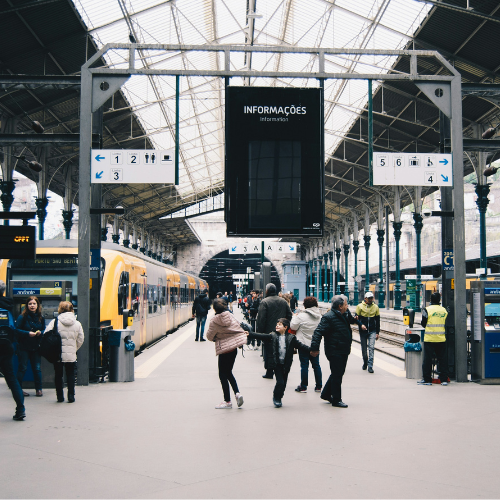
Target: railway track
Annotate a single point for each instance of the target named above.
(392, 338)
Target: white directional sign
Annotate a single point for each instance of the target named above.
(123, 166)
(268, 248)
(424, 277)
(412, 169)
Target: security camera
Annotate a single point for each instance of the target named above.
(426, 212)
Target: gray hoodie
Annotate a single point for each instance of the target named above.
(305, 323)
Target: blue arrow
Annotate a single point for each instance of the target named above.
(233, 249)
(291, 247)
(444, 162)
(99, 157)
(98, 175)
(445, 179)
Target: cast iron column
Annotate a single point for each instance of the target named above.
(338, 251)
(367, 264)
(397, 287)
(7, 198)
(332, 277)
(325, 285)
(380, 239)
(41, 213)
(346, 279)
(319, 295)
(418, 225)
(355, 247)
(482, 191)
(67, 222)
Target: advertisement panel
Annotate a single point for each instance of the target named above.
(274, 170)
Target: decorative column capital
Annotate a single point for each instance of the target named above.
(126, 243)
(418, 224)
(397, 230)
(104, 233)
(115, 238)
(338, 251)
(482, 191)
(331, 256)
(67, 221)
(135, 246)
(355, 246)
(7, 198)
(380, 236)
(346, 249)
(41, 206)
(367, 240)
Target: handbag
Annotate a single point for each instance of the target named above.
(230, 343)
(51, 345)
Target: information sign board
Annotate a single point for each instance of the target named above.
(448, 262)
(138, 166)
(412, 169)
(411, 293)
(17, 242)
(268, 248)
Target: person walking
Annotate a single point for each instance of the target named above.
(281, 344)
(228, 335)
(335, 328)
(72, 337)
(271, 309)
(433, 320)
(201, 306)
(369, 315)
(231, 301)
(304, 323)
(7, 352)
(252, 312)
(28, 349)
(293, 301)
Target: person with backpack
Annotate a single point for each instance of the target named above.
(201, 306)
(7, 334)
(72, 337)
(28, 349)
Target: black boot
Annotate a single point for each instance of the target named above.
(19, 415)
(60, 396)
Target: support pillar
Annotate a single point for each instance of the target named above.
(338, 251)
(142, 248)
(355, 247)
(346, 277)
(7, 198)
(418, 225)
(319, 293)
(380, 239)
(482, 191)
(332, 277)
(67, 222)
(116, 230)
(8, 125)
(325, 281)
(41, 213)
(397, 286)
(135, 246)
(126, 234)
(367, 263)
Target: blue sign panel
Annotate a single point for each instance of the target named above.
(95, 259)
(491, 291)
(448, 260)
(26, 291)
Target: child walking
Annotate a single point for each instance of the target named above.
(281, 343)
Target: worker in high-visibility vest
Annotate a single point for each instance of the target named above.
(433, 320)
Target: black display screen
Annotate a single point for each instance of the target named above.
(274, 162)
(17, 242)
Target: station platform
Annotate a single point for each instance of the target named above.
(161, 437)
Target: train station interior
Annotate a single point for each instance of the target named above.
(154, 151)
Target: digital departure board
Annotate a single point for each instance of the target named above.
(274, 170)
(17, 242)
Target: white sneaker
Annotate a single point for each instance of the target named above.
(444, 383)
(239, 399)
(224, 405)
(249, 347)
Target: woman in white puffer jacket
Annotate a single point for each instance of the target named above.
(71, 333)
(228, 335)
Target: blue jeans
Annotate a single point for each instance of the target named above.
(200, 322)
(35, 360)
(304, 369)
(7, 369)
(367, 340)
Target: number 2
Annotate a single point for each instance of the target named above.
(133, 159)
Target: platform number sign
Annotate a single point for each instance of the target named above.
(146, 166)
(430, 177)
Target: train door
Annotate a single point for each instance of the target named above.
(144, 306)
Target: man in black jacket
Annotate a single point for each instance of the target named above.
(201, 306)
(271, 309)
(335, 327)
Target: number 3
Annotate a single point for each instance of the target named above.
(117, 176)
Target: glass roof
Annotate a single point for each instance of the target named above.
(370, 24)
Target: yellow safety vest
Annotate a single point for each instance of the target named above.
(435, 329)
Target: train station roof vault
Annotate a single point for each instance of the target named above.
(142, 114)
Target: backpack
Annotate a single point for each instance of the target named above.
(51, 345)
(7, 332)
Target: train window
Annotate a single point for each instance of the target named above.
(123, 292)
(150, 298)
(163, 301)
(101, 274)
(136, 298)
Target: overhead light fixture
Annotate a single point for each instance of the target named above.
(37, 127)
(32, 164)
(132, 38)
(488, 134)
(490, 171)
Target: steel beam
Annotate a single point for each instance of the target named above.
(38, 139)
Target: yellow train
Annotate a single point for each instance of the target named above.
(160, 295)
